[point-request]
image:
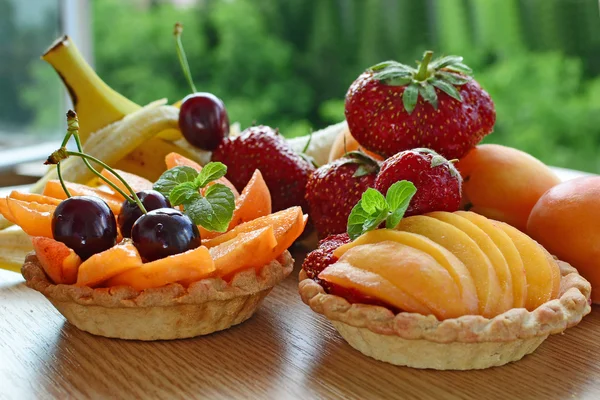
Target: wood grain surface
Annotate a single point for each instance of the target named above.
(284, 352)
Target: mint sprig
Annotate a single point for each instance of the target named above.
(373, 208)
(213, 210)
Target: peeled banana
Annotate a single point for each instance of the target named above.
(14, 246)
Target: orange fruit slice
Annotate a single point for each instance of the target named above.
(136, 182)
(34, 218)
(112, 262)
(54, 189)
(58, 261)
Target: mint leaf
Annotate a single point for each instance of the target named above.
(398, 198)
(372, 201)
(182, 193)
(173, 177)
(367, 214)
(214, 211)
(211, 172)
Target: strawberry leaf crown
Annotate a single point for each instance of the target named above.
(443, 73)
(366, 164)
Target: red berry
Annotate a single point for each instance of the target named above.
(334, 189)
(260, 147)
(437, 181)
(382, 119)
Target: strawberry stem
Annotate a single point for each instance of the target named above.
(423, 73)
(185, 66)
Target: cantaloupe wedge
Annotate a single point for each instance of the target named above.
(371, 284)
(510, 252)
(254, 202)
(248, 250)
(467, 251)
(177, 160)
(487, 245)
(136, 182)
(34, 218)
(191, 266)
(453, 265)
(414, 272)
(58, 261)
(540, 282)
(107, 264)
(54, 189)
(34, 197)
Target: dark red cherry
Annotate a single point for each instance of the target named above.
(203, 120)
(85, 224)
(164, 232)
(130, 212)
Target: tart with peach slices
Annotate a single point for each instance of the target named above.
(441, 290)
(182, 257)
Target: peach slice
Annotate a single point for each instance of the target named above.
(555, 270)
(54, 189)
(58, 261)
(191, 266)
(414, 272)
(540, 281)
(136, 182)
(5, 210)
(487, 245)
(177, 160)
(107, 264)
(254, 202)
(467, 251)
(34, 197)
(34, 218)
(453, 265)
(373, 285)
(510, 252)
(287, 225)
(247, 250)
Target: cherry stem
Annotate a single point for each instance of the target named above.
(422, 73)
(185, 66)
(62, 182)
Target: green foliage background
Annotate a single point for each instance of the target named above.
(289, 63)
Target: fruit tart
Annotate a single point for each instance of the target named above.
(441, 290)
(182, 257)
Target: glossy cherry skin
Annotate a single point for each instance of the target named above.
(203, 120)
(85, 224)
(130, 212)
(164, 232)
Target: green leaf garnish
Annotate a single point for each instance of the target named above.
(213, 210)
(373, 208)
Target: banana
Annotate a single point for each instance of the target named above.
(14, 246)
(115, 141)
(320, 143)
(95, 102)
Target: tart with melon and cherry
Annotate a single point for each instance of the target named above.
(182, 257)
(443, 290)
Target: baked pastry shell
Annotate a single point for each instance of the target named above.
(467, 342)
(169, 312)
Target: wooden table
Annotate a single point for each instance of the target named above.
(284, 352)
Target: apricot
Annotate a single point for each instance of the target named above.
(136, 182)
(177, 160)
(566, 221)
(503, 183)
(248, 250)
(254, 202)
(344, 143)
(35, 219)
(487, 245)
(510, 252)
(34, 197)
(107, 264)
(414, 272)
(373, 285)
(466, 250)
(459, 272)
(540, 282)
(54, 189)
(58, 261)
(5, 211)
(191, 266)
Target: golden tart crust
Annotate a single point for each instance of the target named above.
(169, 312)
(467, 342)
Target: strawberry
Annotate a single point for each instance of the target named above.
(260, 147)
(437, 181)
(392, 107)
(335, 188)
